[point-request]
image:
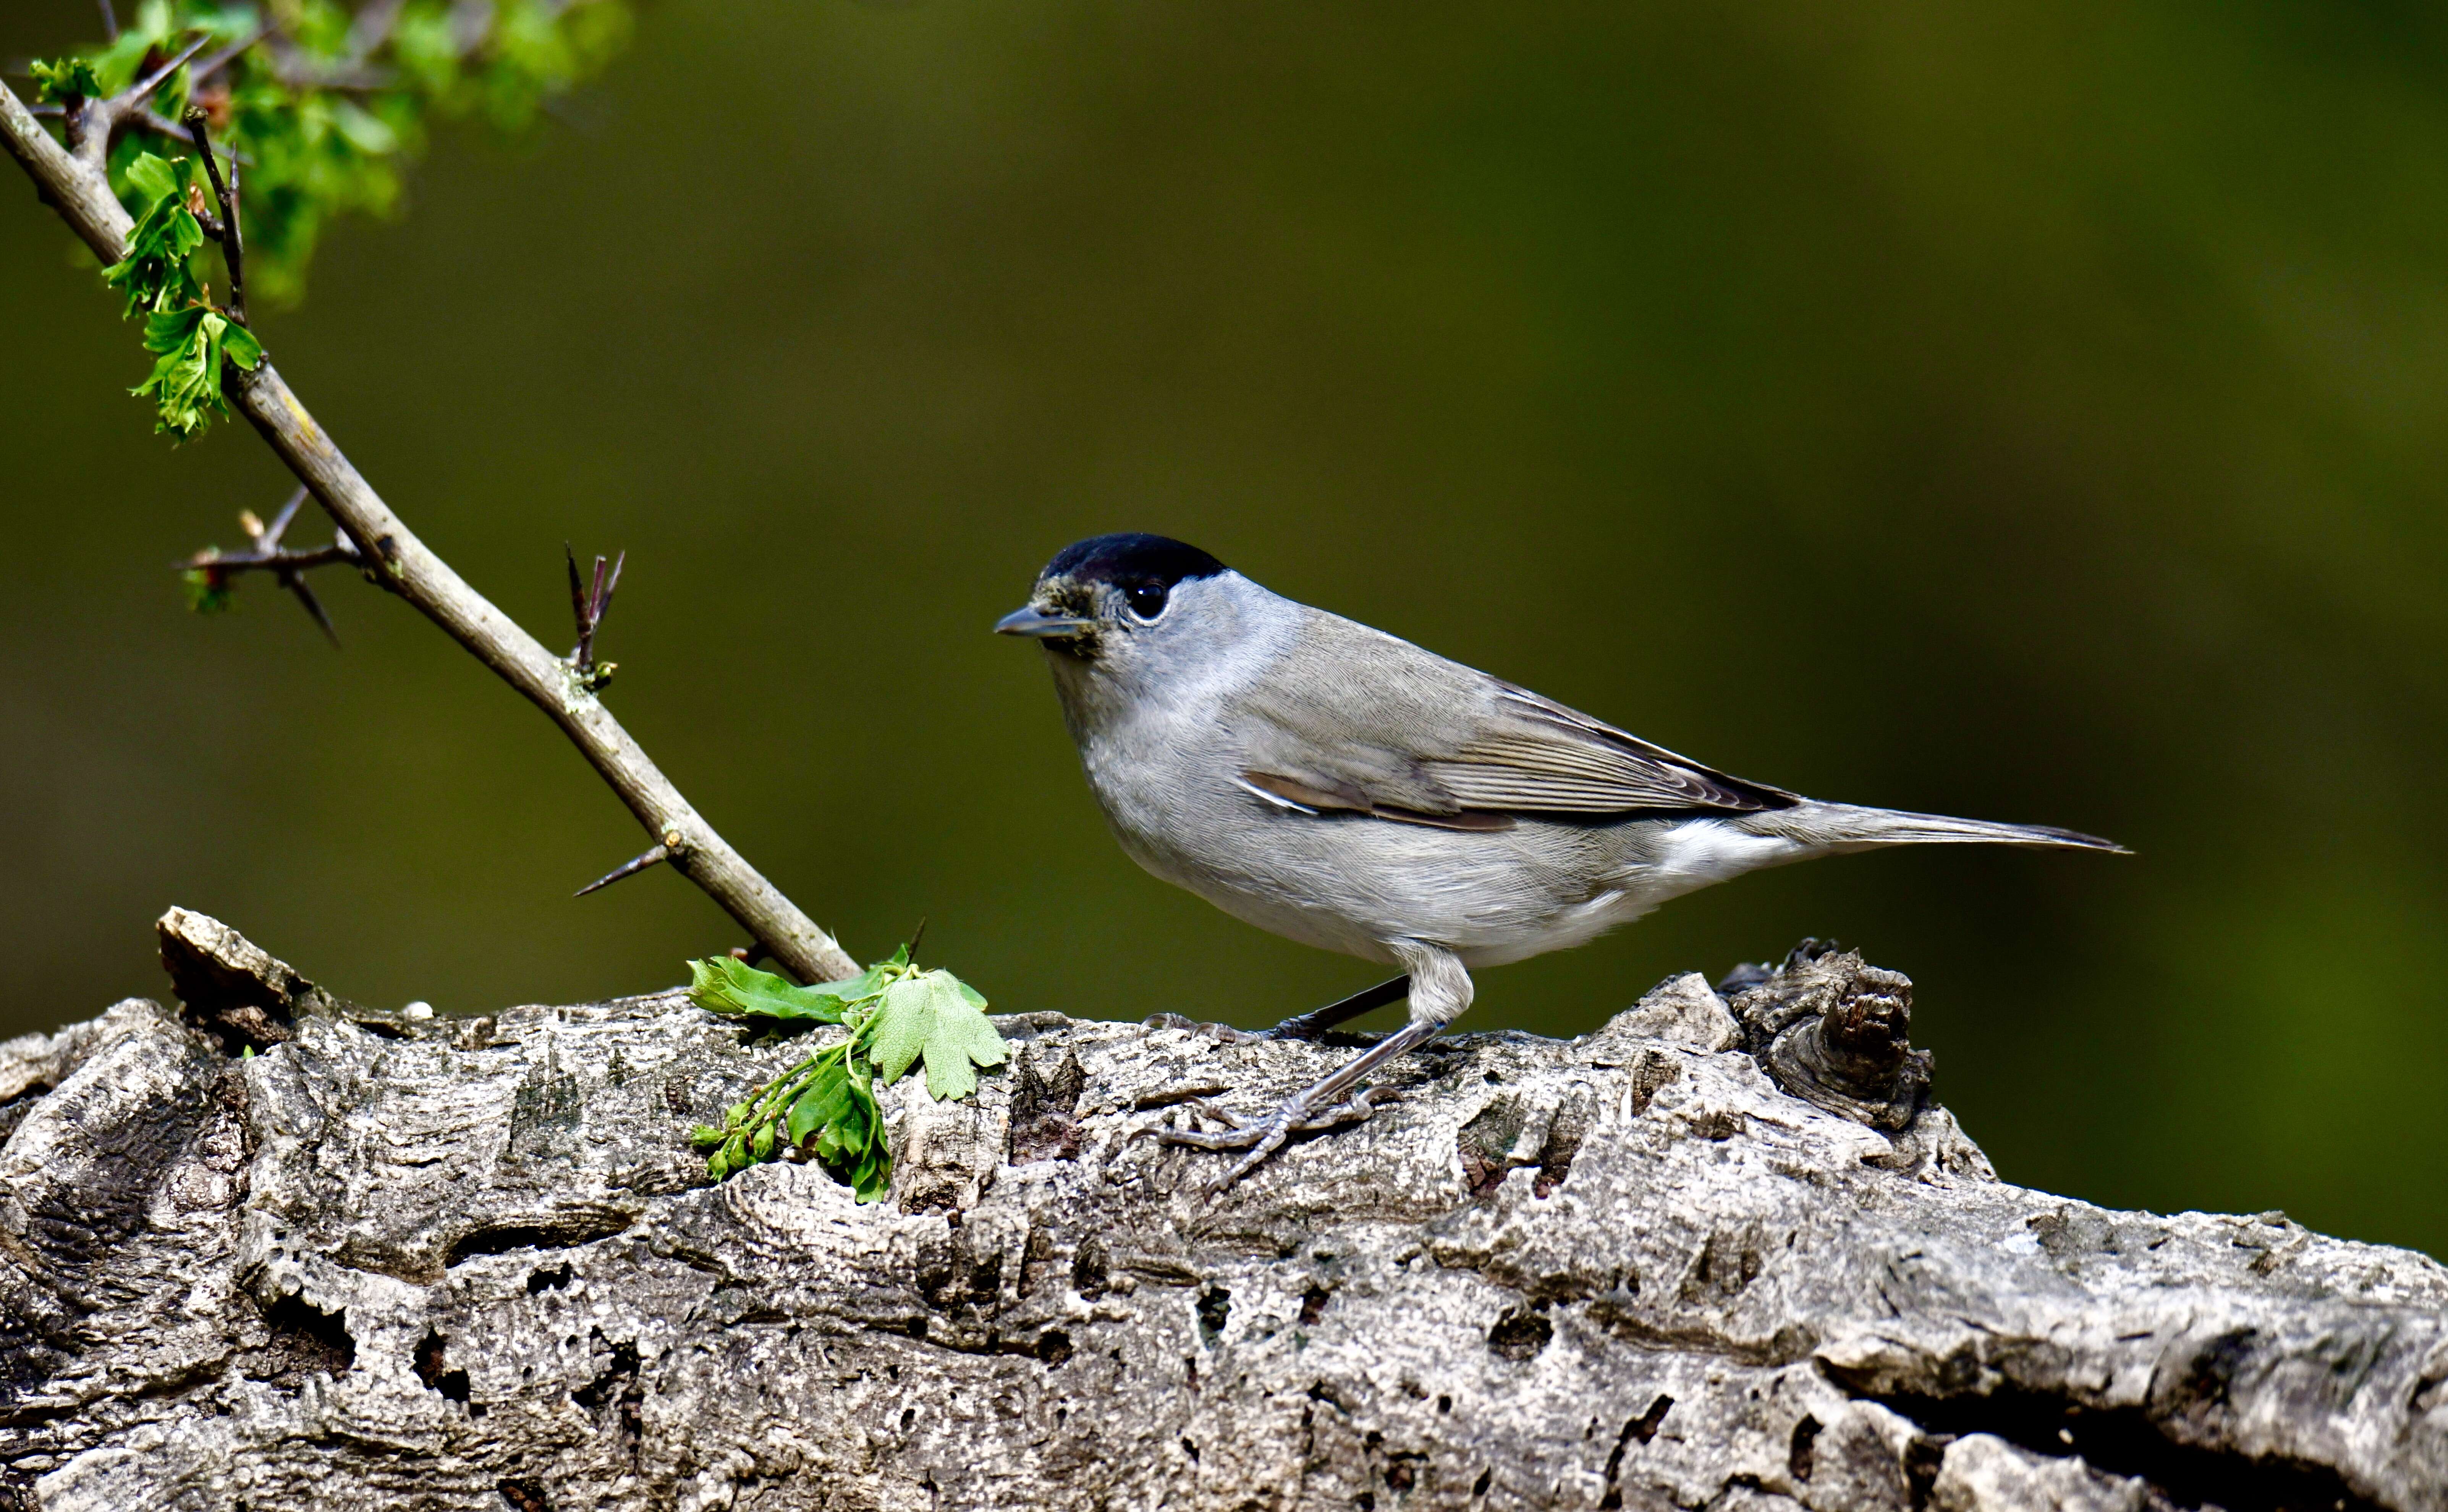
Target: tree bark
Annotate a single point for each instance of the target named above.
(449, 1263)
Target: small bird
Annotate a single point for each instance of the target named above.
(1346, 789)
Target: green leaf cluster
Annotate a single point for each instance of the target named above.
(188, 346)
(898, 1016)
(333, 106)
(69, 79)
(157, 274)
(187, 336)
(325, 110)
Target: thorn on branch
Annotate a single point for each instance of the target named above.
(143, 88)
(654, 856)
(588, 606)
(92, 124)
(233, 240)
(209, 572)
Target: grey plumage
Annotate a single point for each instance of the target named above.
(1347, 789)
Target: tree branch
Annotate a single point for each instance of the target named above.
(1647, 1268)
(392, 556)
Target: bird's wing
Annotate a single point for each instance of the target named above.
(1355, 719)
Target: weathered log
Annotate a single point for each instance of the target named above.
(390, 1262)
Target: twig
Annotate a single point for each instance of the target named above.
(109, 22)
(233, 239)
(162, 126)
(372, 28)
(226, 57)
(392, 556)
(265, 554)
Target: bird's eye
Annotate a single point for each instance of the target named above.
(1146, 601)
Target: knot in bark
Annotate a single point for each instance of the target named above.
(1835, 1032)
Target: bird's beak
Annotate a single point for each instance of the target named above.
(1039, 626)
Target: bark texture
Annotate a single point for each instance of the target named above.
(395, 1263)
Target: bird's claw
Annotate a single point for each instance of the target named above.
(1265, 1137)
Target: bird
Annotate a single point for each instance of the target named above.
(1346, 789)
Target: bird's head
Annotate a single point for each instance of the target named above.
(1136, 622)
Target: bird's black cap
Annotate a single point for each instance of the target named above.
(1132, 558)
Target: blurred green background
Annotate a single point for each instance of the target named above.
(2026, 411)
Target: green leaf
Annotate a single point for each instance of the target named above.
(959, 1038)
(363, 130)
(866, 985)
(904, 1022)
(722, 985)
(69, 79)
(826, 1098)
(872, 1176)
(153, 177)
(241, 346)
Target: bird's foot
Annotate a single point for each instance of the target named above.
(1299, 1115)
(1221, 1033)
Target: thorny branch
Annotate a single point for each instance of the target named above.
(213, 567)
(74, 183)
(93, 123)
(148, 120)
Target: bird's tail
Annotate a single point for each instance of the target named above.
(1848, 827)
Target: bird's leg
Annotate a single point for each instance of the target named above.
(1438, 989)
(1310, 1026)
(1313, 1024)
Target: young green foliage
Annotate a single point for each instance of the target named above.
(69, 79)
(189, 345)
(897, 1016)
(208, 589)
(156, 273)
(324, 105)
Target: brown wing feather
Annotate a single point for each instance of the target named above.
(1376, 726)
(1352, 800)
